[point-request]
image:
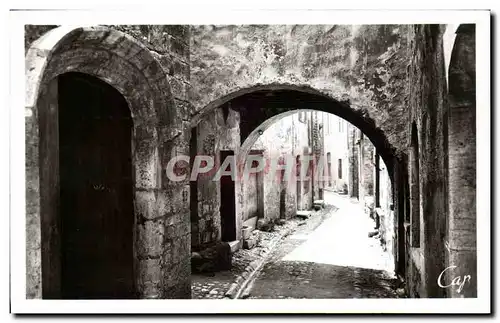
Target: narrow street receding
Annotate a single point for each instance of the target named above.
(329, 257)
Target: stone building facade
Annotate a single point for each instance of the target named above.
(212, 90)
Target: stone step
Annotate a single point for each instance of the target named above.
(304, 214)
(235, 245)
(319, 202)
(318, 205)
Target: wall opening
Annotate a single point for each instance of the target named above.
(340, 169)
(227, 202)
(96, 190)
(193, 187)
(283, 202)
(415, 187)
(298, 183)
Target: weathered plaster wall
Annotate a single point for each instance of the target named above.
(336, 144)
(287, 136)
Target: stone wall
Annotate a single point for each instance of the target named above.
(429, 110)
(169, 44)
(143, 77)
(286, 136)
(462, 234)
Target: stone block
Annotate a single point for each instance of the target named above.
(321, 203)
(249, 243)
(246, 232)
(150, 270)
(303, 214)
(145, 204)
(251, 223)
(150, 236)
(235, 246)
(149, 290)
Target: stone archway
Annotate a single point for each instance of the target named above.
(293, 98)
(261, 106)
(131, 69)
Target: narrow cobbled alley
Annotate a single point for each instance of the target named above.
(336, 259)
(329, 255)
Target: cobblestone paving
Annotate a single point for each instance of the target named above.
(285, 277)
(215, 285)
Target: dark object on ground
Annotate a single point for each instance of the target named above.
(216, 257)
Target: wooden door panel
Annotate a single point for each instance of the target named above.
(96, 189)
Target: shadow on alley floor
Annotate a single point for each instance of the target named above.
(300, 279)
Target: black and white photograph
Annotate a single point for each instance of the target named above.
(340, 165)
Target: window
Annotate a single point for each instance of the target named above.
(340, 168)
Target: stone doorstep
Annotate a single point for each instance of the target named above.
(249, 243)
(235, 245)
(246, 232)
(319, 202)
(304, 214)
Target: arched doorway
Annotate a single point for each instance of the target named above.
(96, 189)
(128, 83)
